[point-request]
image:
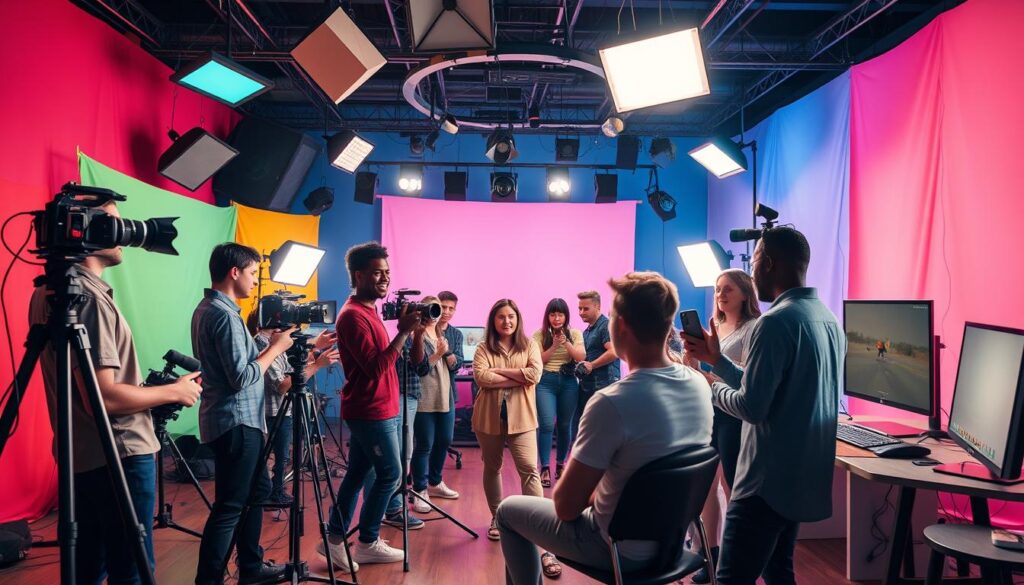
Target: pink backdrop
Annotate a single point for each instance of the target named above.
(529, 252)
(935, 181)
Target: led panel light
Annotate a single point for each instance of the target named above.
(294, 263)
(220, 78)
(656, 70)
(704, 261)
(721, 157)
(194, 157)
(410, 178)
(347, 150)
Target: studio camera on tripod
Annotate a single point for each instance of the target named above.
(392, 310)
(165, 413)
(283, 309)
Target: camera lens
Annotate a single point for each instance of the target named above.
(156, 234)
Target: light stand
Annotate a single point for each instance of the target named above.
(65, 334)
(935, 417)
(164, 518)
(747, 265)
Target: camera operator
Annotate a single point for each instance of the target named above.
(277, 383)
(369, 406)
(231, 415)
(103, 545)
(601, 367)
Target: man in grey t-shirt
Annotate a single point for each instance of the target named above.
(659, 409)
(787, 396)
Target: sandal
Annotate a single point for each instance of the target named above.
(545, 476)
(558, 470)
(492, 531)
(551, 566)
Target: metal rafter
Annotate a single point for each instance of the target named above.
(129, 14)
(837, 30)
(723, 18)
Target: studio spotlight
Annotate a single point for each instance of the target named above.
(194, 157)
(721, 157)
(366, 188)
(662, 152)
(410, 178)
(220, 78)
(455, 184)
(416, 145)
(663, 203)
(501, 147)
(606, 188)
(655, 70)
(294, 263)
(503, 187)
(567, 149)
(347, 150)
(431, 141)
(613, 126)
(704, 261)
(558, 183)
(450, 124)
(319, 200)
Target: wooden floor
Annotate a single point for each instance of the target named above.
(439, 553)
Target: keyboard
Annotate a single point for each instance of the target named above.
(863, 438)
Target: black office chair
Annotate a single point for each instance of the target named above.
(658, 503)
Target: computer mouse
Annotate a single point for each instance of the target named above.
(901, 451)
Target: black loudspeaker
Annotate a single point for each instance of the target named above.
(15, 540)
(455, 186)
(319, 200)
(606, 188)
(270, 168)
(626, 151)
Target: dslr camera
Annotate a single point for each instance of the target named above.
(167, 412)
(283, 309)
(72, 226)
(393, 309)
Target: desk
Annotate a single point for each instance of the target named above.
(908, 478)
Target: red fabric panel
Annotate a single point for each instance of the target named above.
(71, 81)
(935, 177)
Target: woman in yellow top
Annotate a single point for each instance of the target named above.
(557, 390)
(506, 367)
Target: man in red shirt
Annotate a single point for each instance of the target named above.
(370, 407)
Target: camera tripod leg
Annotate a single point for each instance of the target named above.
(38, 337)
(441, 511)
(78, 339)
(164, 515)
(180, 460)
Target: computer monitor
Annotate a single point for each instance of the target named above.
(985, 418)
(471, 337)
(889, 357)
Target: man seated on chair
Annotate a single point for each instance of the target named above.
(659, 409)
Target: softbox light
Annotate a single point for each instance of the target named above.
(194, 157)
(704, 261)
(338, 56)
(220, 78)
(658, 69)
(445, 25)
(294, 263)
(347, 150)
(721, 157)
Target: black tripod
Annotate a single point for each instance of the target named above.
(300, 402)
(164, 518)
(65, 334)
(403, 489)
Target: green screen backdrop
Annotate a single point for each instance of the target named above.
(158, 292)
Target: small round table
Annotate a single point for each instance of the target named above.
(973, 544)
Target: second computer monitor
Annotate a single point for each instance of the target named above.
(889, 353)
(471, 338)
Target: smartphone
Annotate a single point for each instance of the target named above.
(925, 462)
(691, 323)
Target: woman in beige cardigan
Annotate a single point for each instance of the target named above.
(506, 367)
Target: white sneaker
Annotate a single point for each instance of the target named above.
(442, 491)
(377, 551)
(419, 506)
(338, 557)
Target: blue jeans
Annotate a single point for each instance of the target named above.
(373, 444)
(433, 432)
(556, 398)
(282, 454)
(395, 503)
(236, 456)
(104, 548)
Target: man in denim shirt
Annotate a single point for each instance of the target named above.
(231, 414)
(787, 396)
(601, 363)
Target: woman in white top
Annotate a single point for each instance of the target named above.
(736, 311)
(435, 421)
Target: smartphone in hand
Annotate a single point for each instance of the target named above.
(691, 323)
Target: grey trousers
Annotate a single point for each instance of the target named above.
(528, 522)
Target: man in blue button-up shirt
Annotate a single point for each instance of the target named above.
(231, 418)
(787, 396)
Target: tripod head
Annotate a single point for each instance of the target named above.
(298, 357)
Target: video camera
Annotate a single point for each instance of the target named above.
(392, 310)
(167, 412)
(770, 217)
(282, 310)
(72, 226)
